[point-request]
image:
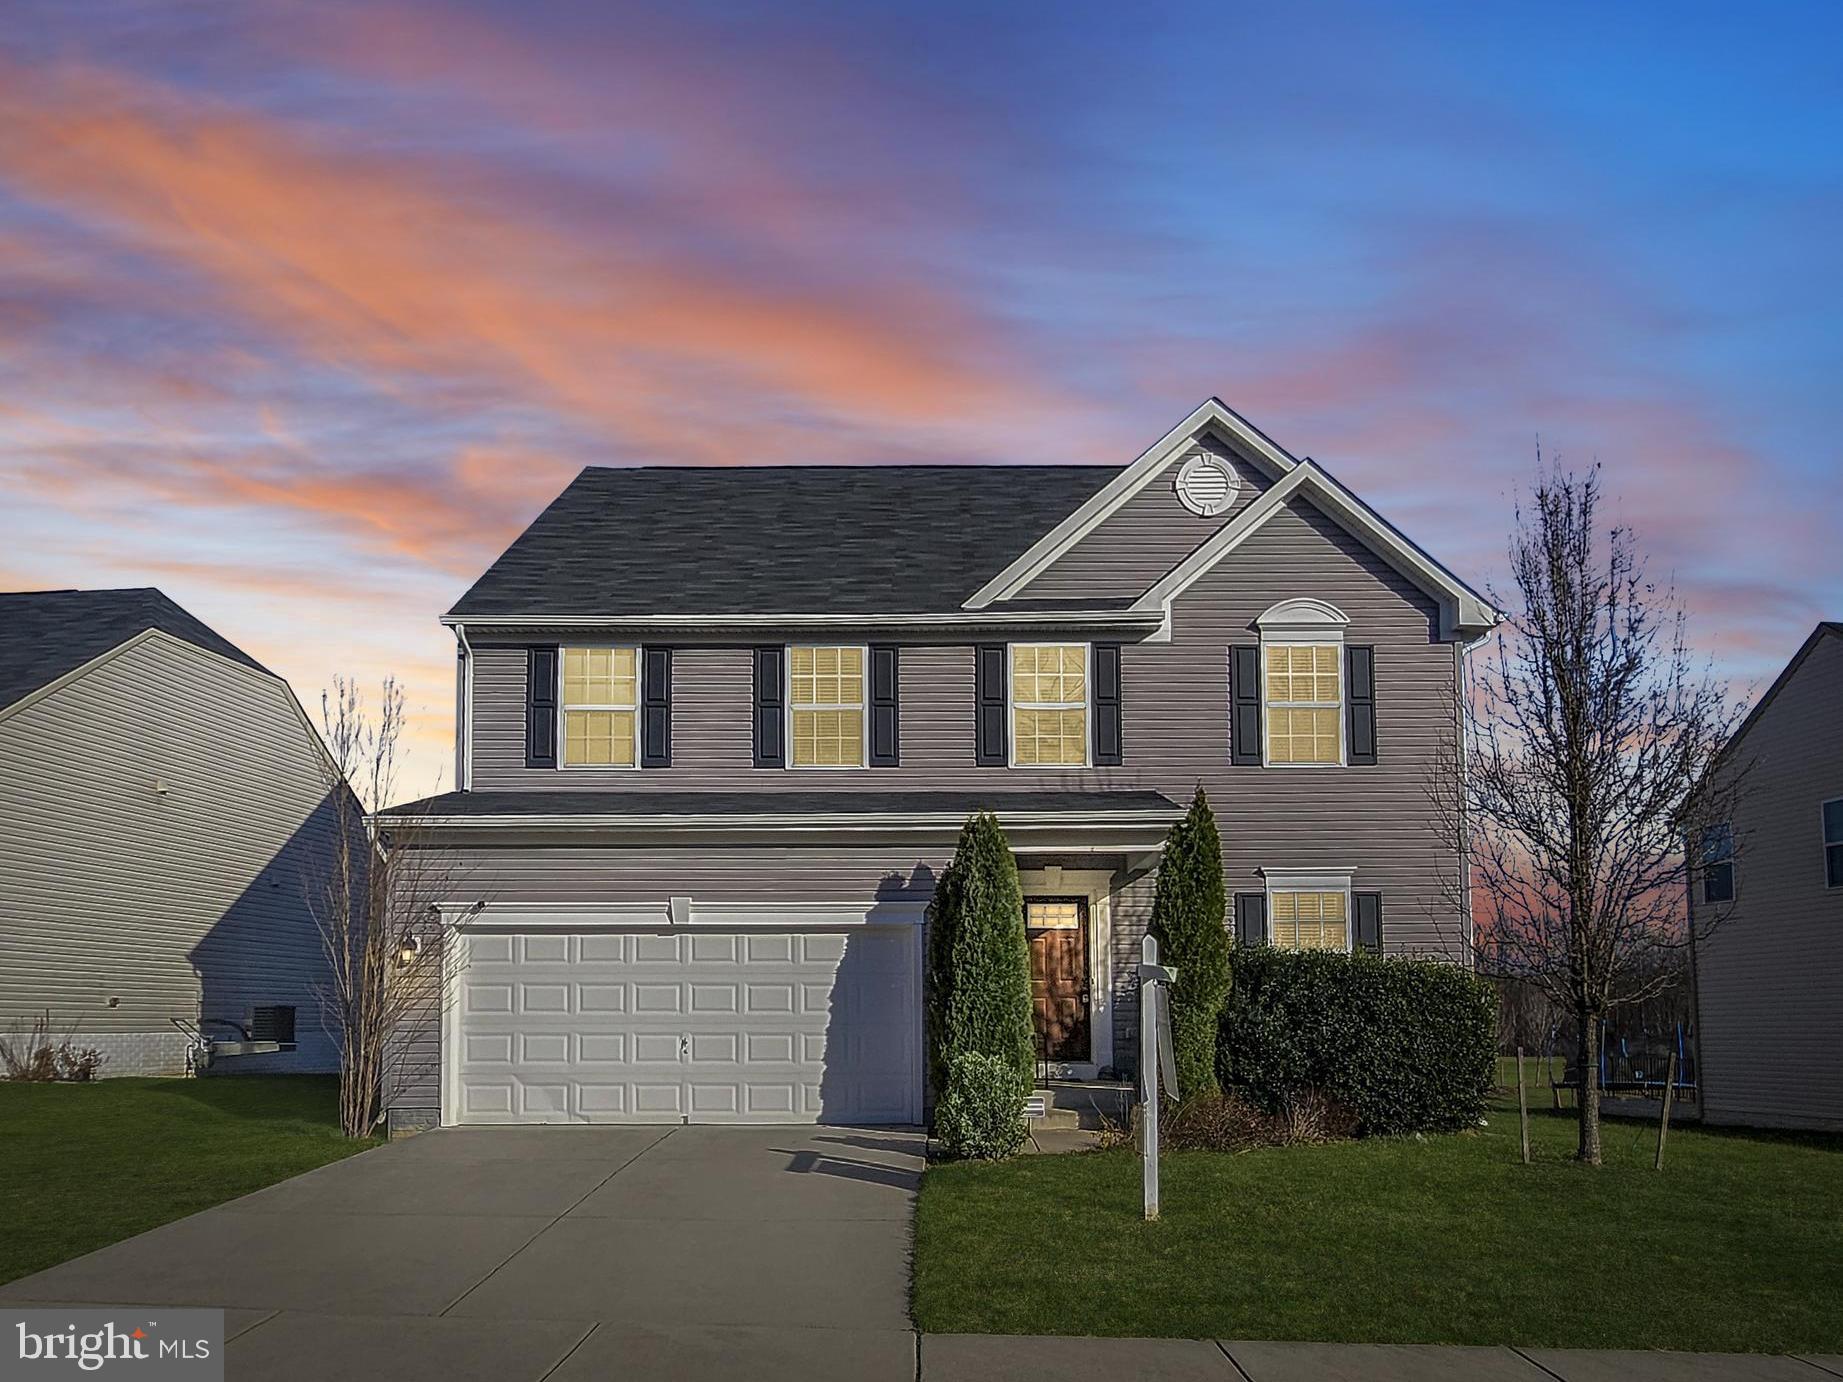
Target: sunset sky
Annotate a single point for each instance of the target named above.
(305, 310)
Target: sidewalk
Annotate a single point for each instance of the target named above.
(1001, 1358)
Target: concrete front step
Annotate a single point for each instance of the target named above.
(1084, 1104)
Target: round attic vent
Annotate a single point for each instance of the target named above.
(1206, 485)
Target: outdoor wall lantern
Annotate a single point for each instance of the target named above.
(407, 949)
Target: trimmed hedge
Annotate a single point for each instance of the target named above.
(1405, 1045)
(982, 1113)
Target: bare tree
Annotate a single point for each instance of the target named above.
(375, 904)
(1584, 773)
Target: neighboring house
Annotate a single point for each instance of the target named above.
(719, 728)
(163, 803)
(1767, 907)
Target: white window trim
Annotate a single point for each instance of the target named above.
(1704, 864)
(862, 707)
(1313, 881)
(1085, 705)
(564, 708)
(1268, 704)
(1828, 844)
(1304, 622)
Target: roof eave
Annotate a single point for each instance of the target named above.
(1077, 618)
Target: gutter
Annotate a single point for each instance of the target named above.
(986, 618)
(464, 715)
(855, 820)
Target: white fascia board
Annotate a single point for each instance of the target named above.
(728, 916)
(1077, 618)
(1462, 612)
(1212, 413)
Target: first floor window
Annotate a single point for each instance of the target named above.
(1305, 703)
(1049, 705)
(1314, 920)
(826, 696)
(1833, 843)
(600, 698)
(1718, 864)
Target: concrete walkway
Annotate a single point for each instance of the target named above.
(569, 1254)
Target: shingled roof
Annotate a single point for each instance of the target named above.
(663, 540)
(47, 633)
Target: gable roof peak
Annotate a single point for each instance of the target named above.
(47, 634)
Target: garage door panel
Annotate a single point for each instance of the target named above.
(543, 998)
(538, 950)
(655, 949)
(644, 1026)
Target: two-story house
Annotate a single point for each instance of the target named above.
(167, 816)
(719, 727)
(1767, 907)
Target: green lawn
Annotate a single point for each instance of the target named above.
(83, 1165)
(1734, 1246)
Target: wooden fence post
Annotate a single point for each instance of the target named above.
(1522, 1106)
(1663, 1122)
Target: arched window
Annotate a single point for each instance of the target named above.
(1302, 683)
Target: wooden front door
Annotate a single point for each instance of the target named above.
(1058, 930)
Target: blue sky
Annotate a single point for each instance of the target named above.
(308, 308)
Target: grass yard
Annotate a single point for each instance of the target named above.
(84, 1165)
(1734, 1246)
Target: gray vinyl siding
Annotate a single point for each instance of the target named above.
(1175, 728)
(178, 905)
(1769, 974)
(1132, 917)
(1146, 536)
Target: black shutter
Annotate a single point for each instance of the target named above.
(1368, 907)
(1245, 707)
(655, 707)
(1360, 700)
(1106, 705)
(770, 702)
(1251, 918)
(990, 743)
(540, 707)
(885, 706)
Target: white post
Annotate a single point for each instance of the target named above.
(1148, 1079)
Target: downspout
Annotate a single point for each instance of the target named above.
(1695, 990)
(1462, 653)
(463, 712)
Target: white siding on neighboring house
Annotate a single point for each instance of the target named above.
(1769, 975)
(160, 814)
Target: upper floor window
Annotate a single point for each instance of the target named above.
(1305, 703)
(1833, 843)
(826, 706)
(600, 707)
(1297, 713)
(1049, 705)
(1718, 864)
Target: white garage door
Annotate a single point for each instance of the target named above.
(650, 1027)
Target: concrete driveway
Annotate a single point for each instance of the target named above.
(549, 1253)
